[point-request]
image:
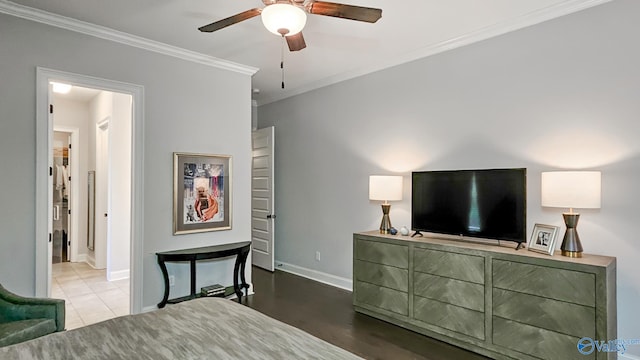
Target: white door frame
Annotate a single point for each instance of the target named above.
(75, 189)
(102, 239)
(43, 209)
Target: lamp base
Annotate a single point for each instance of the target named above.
(385, 224)
(571, 245)
(571, 254)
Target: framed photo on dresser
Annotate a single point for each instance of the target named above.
(543, 238)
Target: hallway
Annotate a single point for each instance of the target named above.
(89, 297)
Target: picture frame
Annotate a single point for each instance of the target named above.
(201, 193)
(543, 238)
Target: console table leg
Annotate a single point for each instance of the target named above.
(236, 267)
(165, 276)
(242, 266)
(193, 278)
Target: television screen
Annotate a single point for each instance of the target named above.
(487, 204)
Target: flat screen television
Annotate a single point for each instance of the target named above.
(488, 204)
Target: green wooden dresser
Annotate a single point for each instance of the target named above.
(488, 298)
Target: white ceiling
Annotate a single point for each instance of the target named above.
(80, 94)
(337, 49)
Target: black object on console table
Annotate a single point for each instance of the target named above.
(240, 250)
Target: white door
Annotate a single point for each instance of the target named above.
(70, 199)
(102, 195)
(262, 199)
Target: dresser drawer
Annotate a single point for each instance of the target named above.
(382, 253)
(450, 291)
(555, 315)
(450, 317)
(383, 275)
(559, 284)
(381, 297)
(537, 342)
(452, 265)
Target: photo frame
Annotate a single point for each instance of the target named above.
(201, 193)
(543, 238)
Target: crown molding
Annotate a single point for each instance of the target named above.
(523, 21)
(25, 12)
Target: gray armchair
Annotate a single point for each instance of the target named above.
(23, 318)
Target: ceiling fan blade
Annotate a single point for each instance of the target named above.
(221, 24)
(296, 42)
(344, 11)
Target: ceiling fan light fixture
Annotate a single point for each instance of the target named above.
(283, 19)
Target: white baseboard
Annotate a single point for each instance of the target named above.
(90, 260)
(81, 258)
(118, 275)
(147, 309)
(628, 357)
(339, 282)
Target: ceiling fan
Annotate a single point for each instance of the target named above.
(288, 17)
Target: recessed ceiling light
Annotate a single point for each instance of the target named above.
(60, 88)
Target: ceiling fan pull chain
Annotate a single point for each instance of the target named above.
(282, 59)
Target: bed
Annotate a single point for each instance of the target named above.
(205, 328)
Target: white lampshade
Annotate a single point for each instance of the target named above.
(571, 189)
(284, 16)
(385, 188)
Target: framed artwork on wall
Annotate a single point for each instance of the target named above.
(201, 193)
(543, 238)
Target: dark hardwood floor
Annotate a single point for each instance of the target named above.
(327, 313)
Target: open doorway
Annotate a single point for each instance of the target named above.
(92, 161)
(61, 251)
(44, 164)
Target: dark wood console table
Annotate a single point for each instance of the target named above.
(240, 250)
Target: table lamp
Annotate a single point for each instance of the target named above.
(385, 188)
(571, 189)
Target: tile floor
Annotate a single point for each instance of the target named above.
(89, 297)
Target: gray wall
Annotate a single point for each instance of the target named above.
(188, 108)
(560, 95)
